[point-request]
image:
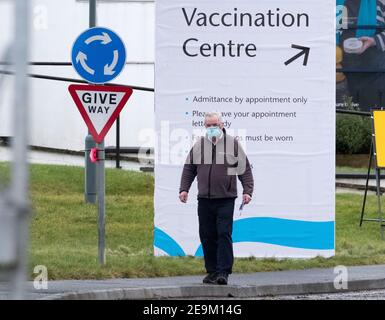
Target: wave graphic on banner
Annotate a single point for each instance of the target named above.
(283, 232)
(164, 242)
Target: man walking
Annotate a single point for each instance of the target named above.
(216, 160)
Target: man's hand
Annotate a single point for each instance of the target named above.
(367, 43)
(246, 199)
(183, 196)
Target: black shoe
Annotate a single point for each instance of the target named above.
(222, 278)
(210, 278)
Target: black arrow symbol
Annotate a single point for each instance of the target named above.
(304, 51)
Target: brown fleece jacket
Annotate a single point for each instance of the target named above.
(216, 167)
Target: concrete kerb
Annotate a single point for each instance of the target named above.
(215, 291)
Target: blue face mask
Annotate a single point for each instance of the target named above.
(213, 132)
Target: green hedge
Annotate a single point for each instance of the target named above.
(353, 134)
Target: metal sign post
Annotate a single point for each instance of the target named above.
(101, 204)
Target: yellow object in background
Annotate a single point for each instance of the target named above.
(339, 55)
(379, 136)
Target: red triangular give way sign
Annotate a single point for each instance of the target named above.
(99, 106)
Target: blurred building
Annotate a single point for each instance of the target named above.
(56, 122)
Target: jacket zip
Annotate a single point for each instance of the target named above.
(211, 167)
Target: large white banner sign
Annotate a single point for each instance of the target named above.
(269, 67)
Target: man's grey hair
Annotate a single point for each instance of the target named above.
(213, 114)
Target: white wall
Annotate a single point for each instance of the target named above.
(55, 120)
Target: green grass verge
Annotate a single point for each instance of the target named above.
(352, 170)
(64, 234)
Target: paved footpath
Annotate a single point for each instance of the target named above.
(252, 285)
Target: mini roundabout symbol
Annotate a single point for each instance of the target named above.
(98, 55)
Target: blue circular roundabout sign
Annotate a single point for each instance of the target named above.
(98, 55)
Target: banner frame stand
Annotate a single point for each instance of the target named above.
(373, 154)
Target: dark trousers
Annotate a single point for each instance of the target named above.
(215, 231)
